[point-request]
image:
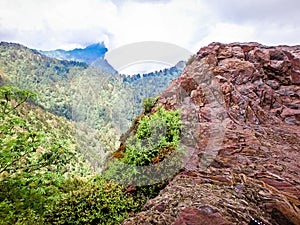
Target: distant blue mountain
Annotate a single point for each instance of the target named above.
(92, 55)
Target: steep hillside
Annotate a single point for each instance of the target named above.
(240, 106)
(65, 89)
(92, 55)
(56, 82)
(102, 105)
(1, 78)
(38, 153)
(43, 178)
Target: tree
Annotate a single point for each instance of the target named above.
(29, 163)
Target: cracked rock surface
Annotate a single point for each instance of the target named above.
(240, 104)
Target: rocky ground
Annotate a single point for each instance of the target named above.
(240, 104)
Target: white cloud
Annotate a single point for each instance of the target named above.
(176, 22)
(55, 23)
(50, 24)
(226, 33)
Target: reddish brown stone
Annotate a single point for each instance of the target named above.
(249, 169)
(225, 52)
(296, 76)
(238, 52)
(290, 112)
(205, 215)
(279, 67)
(259, 55)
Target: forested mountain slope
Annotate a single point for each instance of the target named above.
(43, 178)
(38, 153)
(102, 105)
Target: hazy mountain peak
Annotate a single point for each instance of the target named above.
(99, 45)
(92, 54)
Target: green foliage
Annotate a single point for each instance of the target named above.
(37, 154)
(33, 162)
(98, 201)
(156, 137)
(148, 103)
(151, 142)
(39, 159)
(8, 94)
(102, 105)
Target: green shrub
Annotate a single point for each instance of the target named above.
(33, 162)
(98, 201)
(156, 137)
(148, 103)
(36, 157)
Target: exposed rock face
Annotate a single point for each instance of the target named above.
(241, 107)
(205, 214)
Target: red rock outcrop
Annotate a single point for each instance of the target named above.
(240, 104)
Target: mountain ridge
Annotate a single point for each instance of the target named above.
(92, 55)
(240, 104)
(80, 92)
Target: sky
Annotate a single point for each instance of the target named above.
(191, 24)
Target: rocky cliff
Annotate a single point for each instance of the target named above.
(240, 104)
